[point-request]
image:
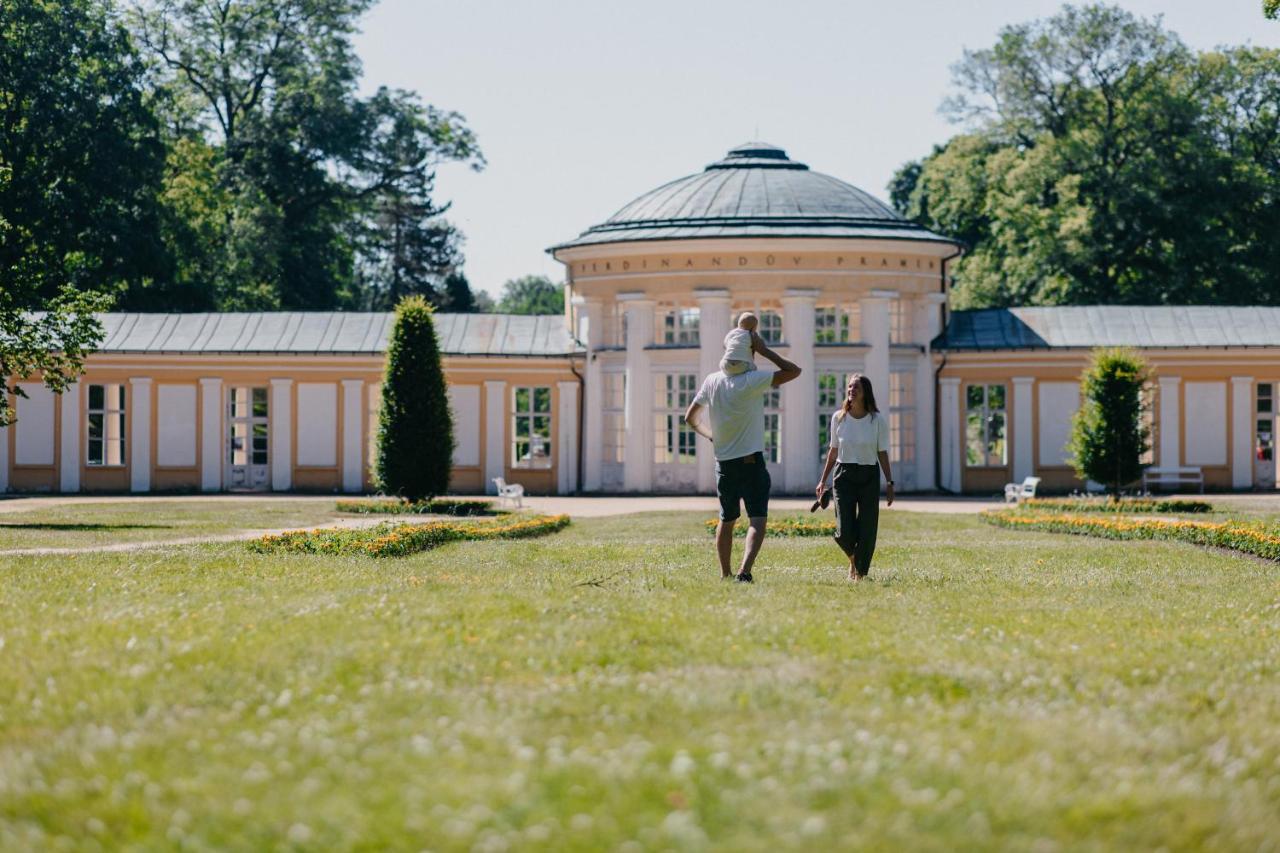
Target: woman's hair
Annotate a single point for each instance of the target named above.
(868, 397)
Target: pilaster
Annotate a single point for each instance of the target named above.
(929, 326)
(592, 337)
(495, 433)
(567, 439)
(139, 450)
(352, 435)
(875, 334)
(800, 397)
(1023, 458)
(69, 463)
(210, 434)
(638, 470)
(1241, 432)
(4, 451)
(1170, 422)
(281, 419)
(951, 448)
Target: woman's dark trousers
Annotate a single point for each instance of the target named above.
(857, 489)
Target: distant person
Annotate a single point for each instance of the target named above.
(738, 346)
(735, 403)
(859, 440)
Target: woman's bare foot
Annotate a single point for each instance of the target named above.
(854, 577)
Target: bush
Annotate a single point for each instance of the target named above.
(1108, 436)
(1253, 539)
(400, 540)
(435, 506)
(415, 429)
(786, 527)
(1125, 505)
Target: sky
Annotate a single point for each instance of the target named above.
(581, 105)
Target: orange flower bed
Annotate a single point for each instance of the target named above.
(399, 540)
(1248, 538)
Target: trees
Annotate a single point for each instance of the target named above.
(1103, 161)
(1271, 9)
(1108, 435)
(457, 297)
(531, 294)
(415, 428)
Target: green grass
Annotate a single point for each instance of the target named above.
(85, 525)
(603, 689)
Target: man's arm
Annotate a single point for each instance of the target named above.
(787, 370)
(691, 418)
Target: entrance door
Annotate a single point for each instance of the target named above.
(1264, 437)
(248, 462)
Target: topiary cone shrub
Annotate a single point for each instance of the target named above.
(1108, 436)
(415, 428)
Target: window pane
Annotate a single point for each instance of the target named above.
(995, 396)
(974, 448)
(973, 399)
(542, 425)
(96, 426)
(542, 399)
(995, 439)
(119, 397)
(522, 399)
(259, 402)
(96, 396)
(95, 451)
(522, 426)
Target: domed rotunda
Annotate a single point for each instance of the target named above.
(841, 284)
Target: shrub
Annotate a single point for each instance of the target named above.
(1247, 538)
(1126, 505)
(400, 506)
(786, 527)
(1108, 436)
(399, 540)
(415, 429)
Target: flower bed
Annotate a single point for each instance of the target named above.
(1254, 539)
(1150, 506)
(786, 527)
(400, 506)
(399, 540)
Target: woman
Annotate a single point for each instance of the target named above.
(859, 438)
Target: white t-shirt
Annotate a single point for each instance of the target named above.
(736, 406)
(859, 440)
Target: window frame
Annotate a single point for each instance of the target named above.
(106, 411)
(533, 416)
(985, 411)
(680, 324)
(675, 442)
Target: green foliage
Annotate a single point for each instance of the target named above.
(399, 506)
(1123, 505)
(400, 540)
(531, 294)
(1271, 9)
(1105, 162)
(457, 297)
(1108, 436)
(415, 428)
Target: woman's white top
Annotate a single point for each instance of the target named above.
(859, 440)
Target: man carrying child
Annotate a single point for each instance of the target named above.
(734, 398)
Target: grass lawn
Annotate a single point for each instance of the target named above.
(603, 689)
(85, 525)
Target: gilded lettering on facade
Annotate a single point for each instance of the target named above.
(759, 262)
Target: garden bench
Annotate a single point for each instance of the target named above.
(1173, 475)
(513, 492)
(1019, 491)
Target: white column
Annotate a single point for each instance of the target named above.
(69, 477)
(281, 435)
(928, 327)
(949, 436)
(567, 439)
(352, 435)
(4, 450)
(592, 313)
(638, 470)
(714, 321)
(1170, 422)
(495, 433)
(1023, 459)
(139, 418)
(210, 434)
(800, 397)
(875, 334)
(1241, 432)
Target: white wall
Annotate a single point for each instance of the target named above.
(176, 425)
(464, 406)
(33, 445)
(1206, 424)
(317, 423)
(1058, 403)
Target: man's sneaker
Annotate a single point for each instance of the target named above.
(745, 577)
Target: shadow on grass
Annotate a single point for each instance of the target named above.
(45, 525)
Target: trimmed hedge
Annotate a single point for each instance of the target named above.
(1124, 505)
(400, 506)
(1247, 538)
(785, 527)
(399, 540)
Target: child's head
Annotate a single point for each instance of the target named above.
(748, 321)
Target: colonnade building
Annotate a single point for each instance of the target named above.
(593, 401)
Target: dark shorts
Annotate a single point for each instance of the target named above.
(744, 479)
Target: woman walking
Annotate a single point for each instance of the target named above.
(859, 440)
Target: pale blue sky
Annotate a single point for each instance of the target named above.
(582, 105)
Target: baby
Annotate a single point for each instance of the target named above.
(737, 346)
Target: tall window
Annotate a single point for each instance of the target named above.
(614, 408)
(830, 396)
(677, 442)
(615, 325)
(106, 425)
(985, 443)
(531, 437)
(900, 331)
(831, 325)
(679, 325)
(902, 417)
(773, 426)
(1265, 423)
(770, 316)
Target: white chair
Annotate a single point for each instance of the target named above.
(1014, 492)
(513, 492)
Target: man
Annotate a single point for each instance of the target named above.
(736, 407)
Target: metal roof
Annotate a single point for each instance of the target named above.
(1158, 326)
(755, 191)
(327, 333)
